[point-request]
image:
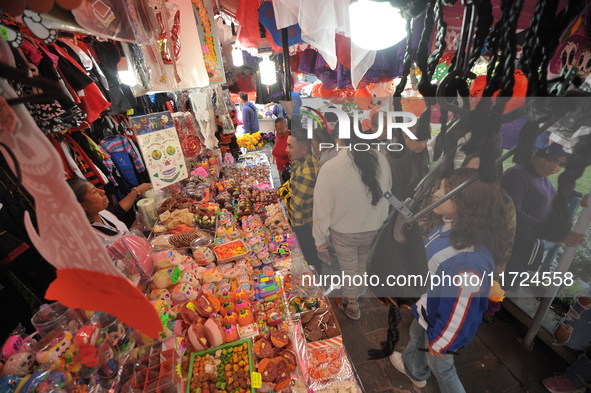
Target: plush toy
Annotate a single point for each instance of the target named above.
(58, 346)
(86, 341)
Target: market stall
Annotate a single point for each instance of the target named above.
(203, 291)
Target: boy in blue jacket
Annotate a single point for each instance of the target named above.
(460, 256)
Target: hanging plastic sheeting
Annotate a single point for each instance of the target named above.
(247, 16)
(267, 18)
(320, 21)
(105, 18)
(204, 114)
(361, 61)
(286, 13)
(190, 65)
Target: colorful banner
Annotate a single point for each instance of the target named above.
(160, 146)
(210, 44)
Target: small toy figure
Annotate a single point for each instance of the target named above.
(58, 346)
(86, 340)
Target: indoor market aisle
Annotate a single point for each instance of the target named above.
(494, 362)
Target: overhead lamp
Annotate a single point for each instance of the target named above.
(267, 66)
(237, 58)
(376, 25)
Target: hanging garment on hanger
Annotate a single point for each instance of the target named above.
(92, 101)
(203, 111)
(108, 58)
(23, 272)
(78, 51)
(89, 170)
(62, 234)
(125, 158)
(70, 157)
(69, 172)
(95, 156)
(53, 115)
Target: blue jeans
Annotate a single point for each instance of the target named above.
(419, 365)
(580, 372)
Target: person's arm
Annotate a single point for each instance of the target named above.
(322, 209)
(515, 185)
(399, 179)
(302, 191)
(127, 202)
(246, 120)
(455, 308)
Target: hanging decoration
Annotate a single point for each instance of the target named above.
(160, 146)
(210, 43)
(574, 49)
(519, 91)
(17, 7)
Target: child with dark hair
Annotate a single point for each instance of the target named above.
(466, 244)
(349, 208)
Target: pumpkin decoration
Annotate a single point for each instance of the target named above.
(519, 91)
(363, 99)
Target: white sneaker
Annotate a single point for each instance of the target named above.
(398, 363)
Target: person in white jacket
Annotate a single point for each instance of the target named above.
(350, 209)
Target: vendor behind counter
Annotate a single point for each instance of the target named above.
(105, 219)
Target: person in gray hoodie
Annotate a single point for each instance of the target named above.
(250, 120)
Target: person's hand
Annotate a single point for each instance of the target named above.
(573, 239)
(584, 202)
(143, 188)
(272, 159)
(322, 248)
(433, 352)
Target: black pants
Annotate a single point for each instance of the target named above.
(308, 246)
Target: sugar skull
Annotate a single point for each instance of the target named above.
(188, 278)
(161, 294)
(182, 293)
(19, 364)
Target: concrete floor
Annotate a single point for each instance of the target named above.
(494, 362)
